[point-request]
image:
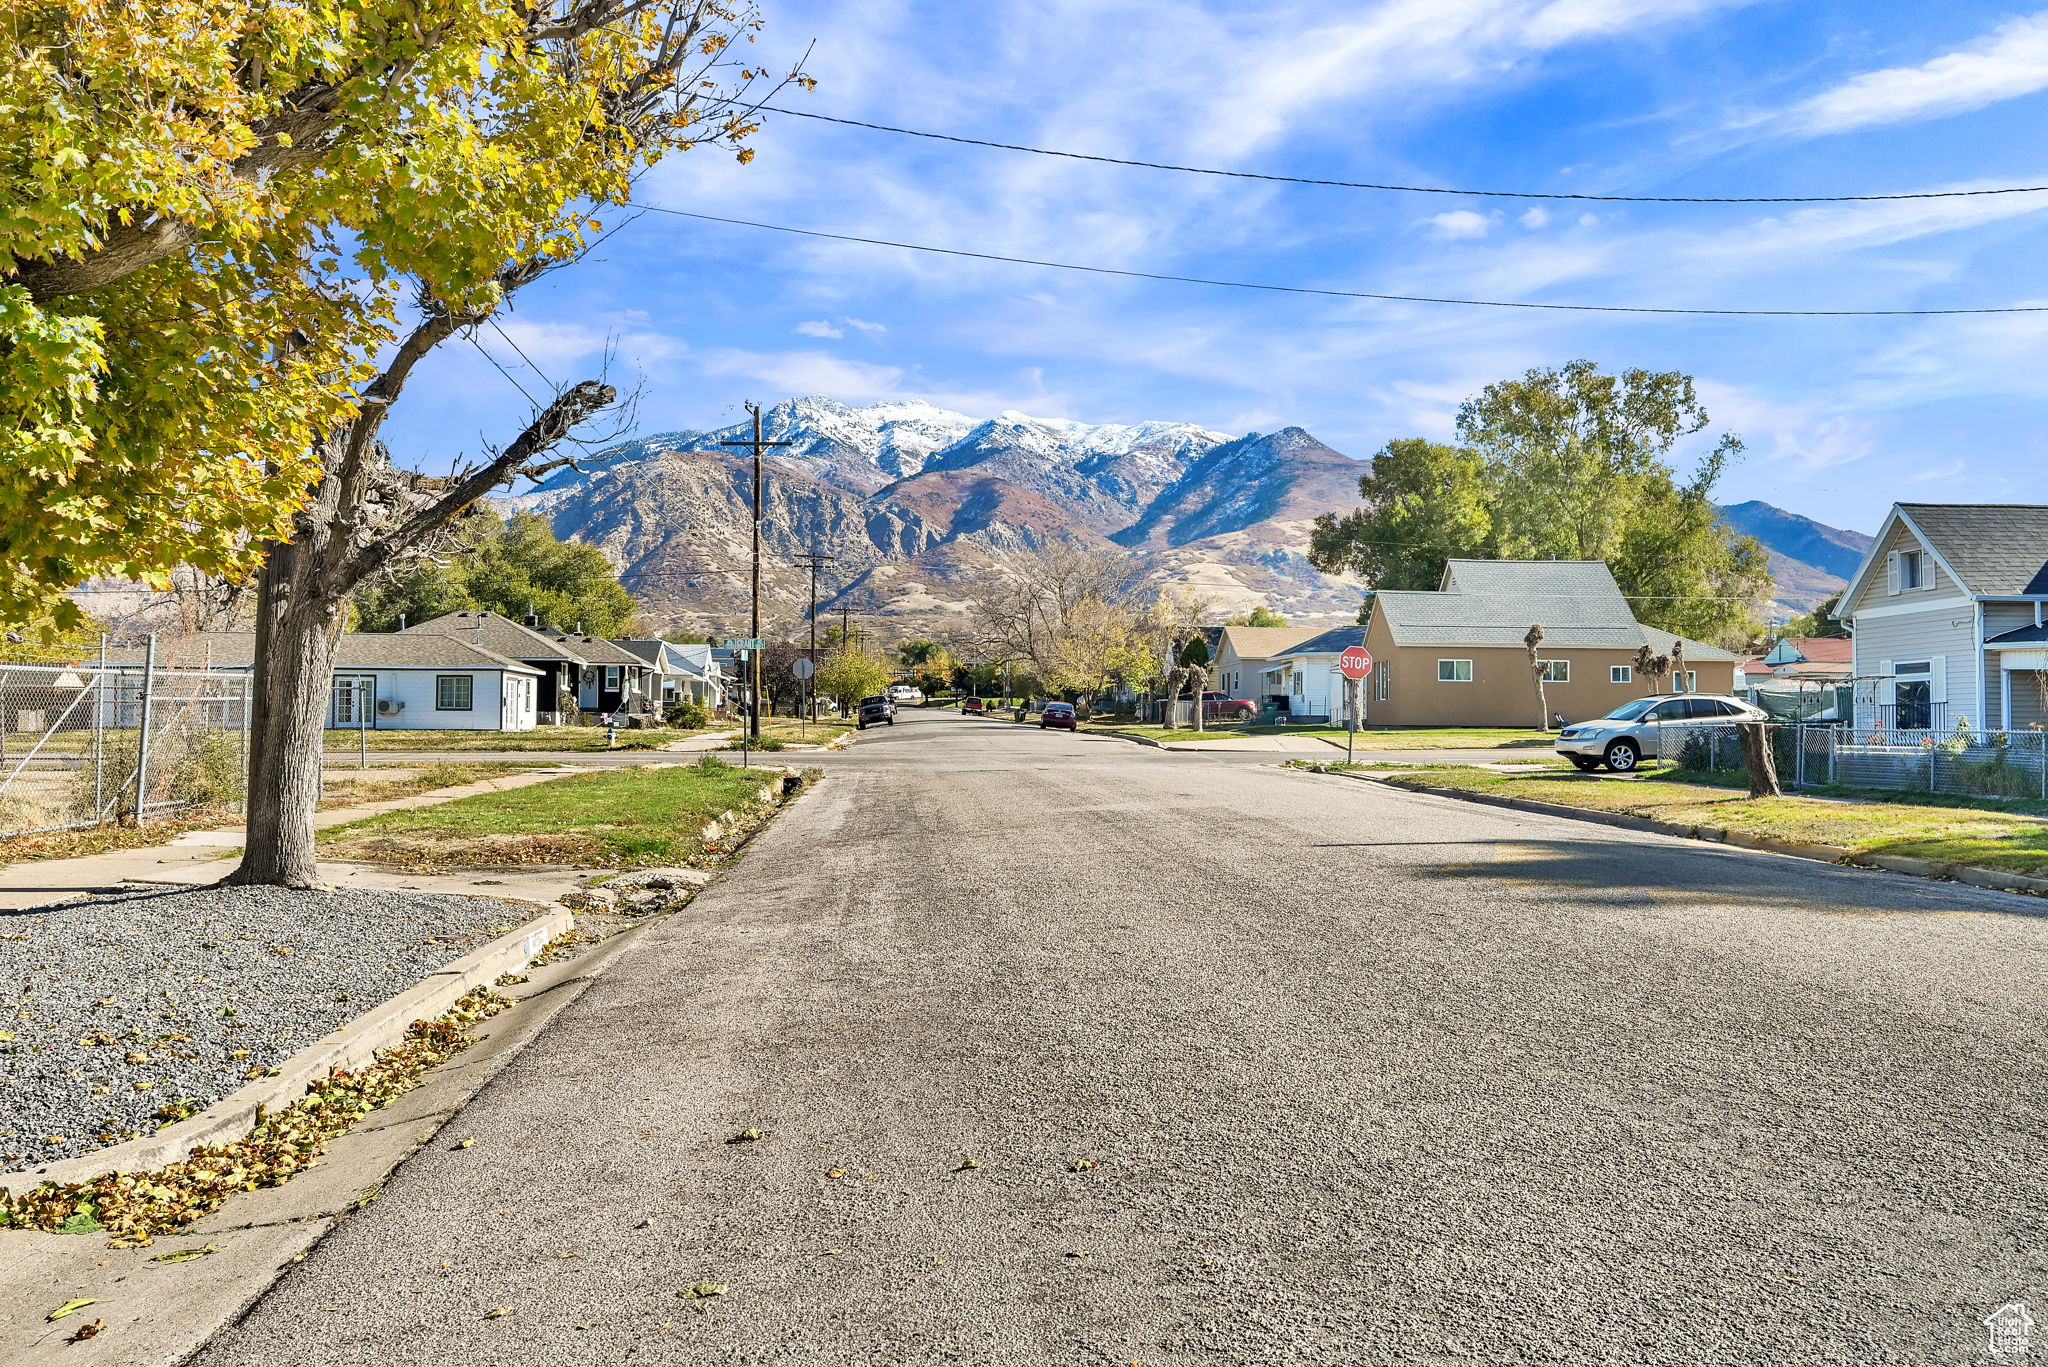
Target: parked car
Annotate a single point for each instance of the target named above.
(1223, 707)
(1058, 714)
(875, 711)
(905, 693)
(1642, 728)
(974, 707)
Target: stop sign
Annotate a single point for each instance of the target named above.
(1355, 662)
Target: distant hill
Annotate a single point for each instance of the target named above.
(1810, 560)
(915, 499)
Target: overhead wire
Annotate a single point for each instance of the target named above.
(1405, 189)
(522, 353)
(1344, 294)
(501, 370)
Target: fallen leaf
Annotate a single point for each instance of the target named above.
(747, 1136)
(1082, 1165)
(967, 1165)
(71, 1307)
(499, 1313)
(466, 1142)
(185, 1255)
(835, 1172)
(87, 1331)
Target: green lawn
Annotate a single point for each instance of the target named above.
(540, 738)
(2013, 838)
(790, 731)
(622, 818)
(1384, 738)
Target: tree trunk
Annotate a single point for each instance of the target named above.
(297, 628)
(1758, 758)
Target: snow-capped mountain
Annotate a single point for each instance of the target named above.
(913, 498)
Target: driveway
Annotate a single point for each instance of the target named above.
(1067, 1051)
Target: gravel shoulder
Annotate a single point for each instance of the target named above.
(125, 1010)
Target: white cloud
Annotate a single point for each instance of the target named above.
(1536, 217)
(1460, 223)
(864, 325)
(818, 328)
(2009, 62)
(1939, 472)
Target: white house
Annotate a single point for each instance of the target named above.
(1240, 655)
(678, 672)
(1947, 611)
(1306, 675)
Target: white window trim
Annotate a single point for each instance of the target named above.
(1549, 665)
(1621, 674)
(1470, 672)
(440, 679)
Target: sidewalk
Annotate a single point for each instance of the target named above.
(200, 857)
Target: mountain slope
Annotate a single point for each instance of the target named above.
(1809, 560)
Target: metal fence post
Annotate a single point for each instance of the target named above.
(142, 738)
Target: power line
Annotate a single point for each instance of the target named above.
(1349, 294)
(1409, 189)
(501, 370)
(522, 354)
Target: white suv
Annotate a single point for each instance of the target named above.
(909, 693)
(1641, 728)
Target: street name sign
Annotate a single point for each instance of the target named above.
(741, 643)
(1355, 662)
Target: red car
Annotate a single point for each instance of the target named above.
(1223, 707)
(973, 707)
(1058, 714)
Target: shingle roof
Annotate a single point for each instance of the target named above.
(496, 632)
(355, 650)
(1331, 642)
(1261, 643)
(597, 650)
(2019, 636)
(1997, 548)
(1495, 602)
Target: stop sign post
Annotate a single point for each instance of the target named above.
(1355, 664)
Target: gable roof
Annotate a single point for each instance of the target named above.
(1334, 641)
(355, 650)
(1260, 643)
(1823, 655)
(1494, 603)
(496, 632)
(596, 650)
(1995, 549)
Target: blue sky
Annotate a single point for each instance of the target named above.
(1706, 97)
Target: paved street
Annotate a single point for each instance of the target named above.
(1363, 1077)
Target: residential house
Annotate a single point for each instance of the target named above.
(1240, 655)
(1455, 656)
(1305, 678)
(392, 681)
(1800, 678)
(1947, 609)
(613, 679)
(560, 666)
(679, 672)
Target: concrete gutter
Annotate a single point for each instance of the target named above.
(353, 1046)
(1995, 879)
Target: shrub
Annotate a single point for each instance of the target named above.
(687, 713)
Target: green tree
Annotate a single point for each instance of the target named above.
(518, 566)
(847, 676)
(1260, 616)
(412, 594)
(1424, 503)
(1821, 621)
(1563, 464)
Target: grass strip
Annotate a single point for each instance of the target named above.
(133, 1208)
(615, 819)
(1948, 832)
(539, 738)
(1418, 738)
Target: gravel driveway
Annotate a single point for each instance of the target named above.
(1252, 1067)
(122, 1005)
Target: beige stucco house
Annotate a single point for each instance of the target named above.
(1454, 657)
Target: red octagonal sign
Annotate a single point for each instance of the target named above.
(1355, 662)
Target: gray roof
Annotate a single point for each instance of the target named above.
(1495, 602)
(496, 632)
(2019, 636)
(1335, 641)
(1997, 548)
(652, 652)
(597, 650)
(355, 650)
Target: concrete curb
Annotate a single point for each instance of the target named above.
(352, 1046)
(1994, 879)
(1135, 740)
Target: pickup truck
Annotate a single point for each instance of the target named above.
(1223, 707)
(875, 711)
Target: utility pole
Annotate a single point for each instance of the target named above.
(754, 621)
(811, 560)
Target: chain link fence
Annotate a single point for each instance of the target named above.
(86, 740)
(1959, 762)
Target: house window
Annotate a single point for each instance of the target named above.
(1297, 685)
(1621, 673)
(1379, 680)
(1912, 569)
(1454, 671)
(1557, 671)
(454, 692)
(1692, 681)
(611, 678)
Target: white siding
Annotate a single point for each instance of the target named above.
(1941, 634)
(496, 700)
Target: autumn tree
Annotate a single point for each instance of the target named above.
(206, 200)
(849, 674)
(1260, 616)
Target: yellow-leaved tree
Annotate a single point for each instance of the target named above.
(230, 230)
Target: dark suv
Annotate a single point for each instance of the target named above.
(876, 710)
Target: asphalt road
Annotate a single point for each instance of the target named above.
(1364, 1077)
